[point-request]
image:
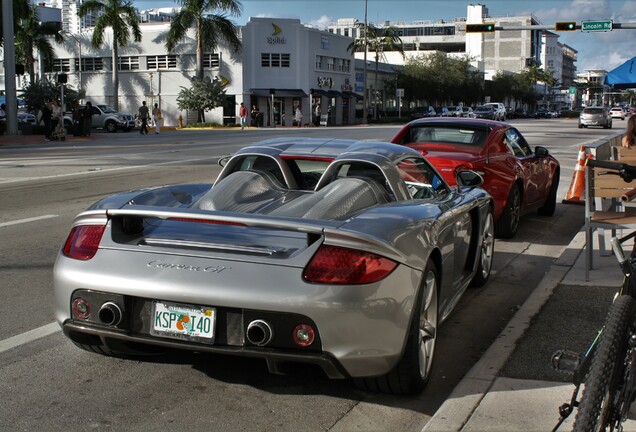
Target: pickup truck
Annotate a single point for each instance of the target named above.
(105, 117)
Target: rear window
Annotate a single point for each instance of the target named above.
(593, 110)
(445, 134)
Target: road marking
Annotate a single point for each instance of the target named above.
(21, 221)
(30, 336)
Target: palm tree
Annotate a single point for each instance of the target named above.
(32, 35)
(121, 17)
(20, 11)
(378, 40)
(210, 28)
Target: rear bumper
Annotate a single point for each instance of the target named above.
(115, 339)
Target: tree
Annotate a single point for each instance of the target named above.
(210, 28)
(204, 94)
(121, 17)
(37, 92)
(377, 41)
(32, 35)
(422, 80)
(20, 11)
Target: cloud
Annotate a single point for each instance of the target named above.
(322, 22)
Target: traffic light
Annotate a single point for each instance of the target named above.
(565, 26)
(480, 28)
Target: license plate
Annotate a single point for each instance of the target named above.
(182, 321)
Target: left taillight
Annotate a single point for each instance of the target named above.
(343, 266)
(83, 241)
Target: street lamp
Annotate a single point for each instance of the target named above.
(366, 47)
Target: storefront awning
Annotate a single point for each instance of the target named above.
(352, 94)
(320, 92)
(278, 92)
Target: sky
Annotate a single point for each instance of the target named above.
(596, 50)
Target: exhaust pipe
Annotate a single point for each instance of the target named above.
(110, 314)
(259, 333)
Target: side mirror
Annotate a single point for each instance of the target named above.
(541, 151)
(469, 179)
(223, 161)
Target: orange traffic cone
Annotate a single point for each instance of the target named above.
(578, 180)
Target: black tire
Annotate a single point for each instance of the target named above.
(413, 370)
(599, 407)
(506, 226)
(486, 252)
(111, 126)
(549, 207)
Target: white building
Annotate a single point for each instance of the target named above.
(283, 64)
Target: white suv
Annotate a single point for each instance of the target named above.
(500, 110)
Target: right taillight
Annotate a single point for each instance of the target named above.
(83, 241)
(343, 266)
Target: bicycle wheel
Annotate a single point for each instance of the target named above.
(602, 400)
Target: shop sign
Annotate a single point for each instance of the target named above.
(274, 39)
(325, 82)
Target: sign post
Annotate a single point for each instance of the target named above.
(596, 26)
(400, 94)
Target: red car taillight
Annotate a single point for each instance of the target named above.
(342, 266)
(83, 241)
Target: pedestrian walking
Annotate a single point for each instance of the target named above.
(156, 114)
(243, 115)
(88, 118)
(143, 116)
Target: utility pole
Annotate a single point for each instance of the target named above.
(11, 100)
(366, 47)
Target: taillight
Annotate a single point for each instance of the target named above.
(83, 241)
(338, 265)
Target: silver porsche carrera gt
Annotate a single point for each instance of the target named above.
(343, 254)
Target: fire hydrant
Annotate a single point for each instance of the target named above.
(180, 122)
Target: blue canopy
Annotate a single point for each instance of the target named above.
(624, 76)
(3, 100)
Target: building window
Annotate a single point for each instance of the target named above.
(275, 60)
(212, 60)
(90, 64)
(128, 63)
(318, 62)
(60, 65)
(162, 62)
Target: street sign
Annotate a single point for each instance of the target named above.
(399, 92)
(572, 90)
(595, 26)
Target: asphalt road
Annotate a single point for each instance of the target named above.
(48, 384)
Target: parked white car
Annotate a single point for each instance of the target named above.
(500, 110)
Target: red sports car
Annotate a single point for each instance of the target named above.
(518, 178)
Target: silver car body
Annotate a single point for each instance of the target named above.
(158, 246)
(595, 116)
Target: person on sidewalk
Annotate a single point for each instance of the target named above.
(298, 116)
(156, 114)
(87, 114)
(629, 139)
(243, 115)
(143, 116)
(46, 119)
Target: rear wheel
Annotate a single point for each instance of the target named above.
(549, 207)
(486, 252)
(508, 223)
(602, 401)
(413, 370)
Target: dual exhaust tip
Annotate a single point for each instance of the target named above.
(258, 332)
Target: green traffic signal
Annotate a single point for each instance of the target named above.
(480, 28)
(565, 26)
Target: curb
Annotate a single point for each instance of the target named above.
(456, 411)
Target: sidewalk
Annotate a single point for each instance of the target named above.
(501, 392)
(13, 140)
